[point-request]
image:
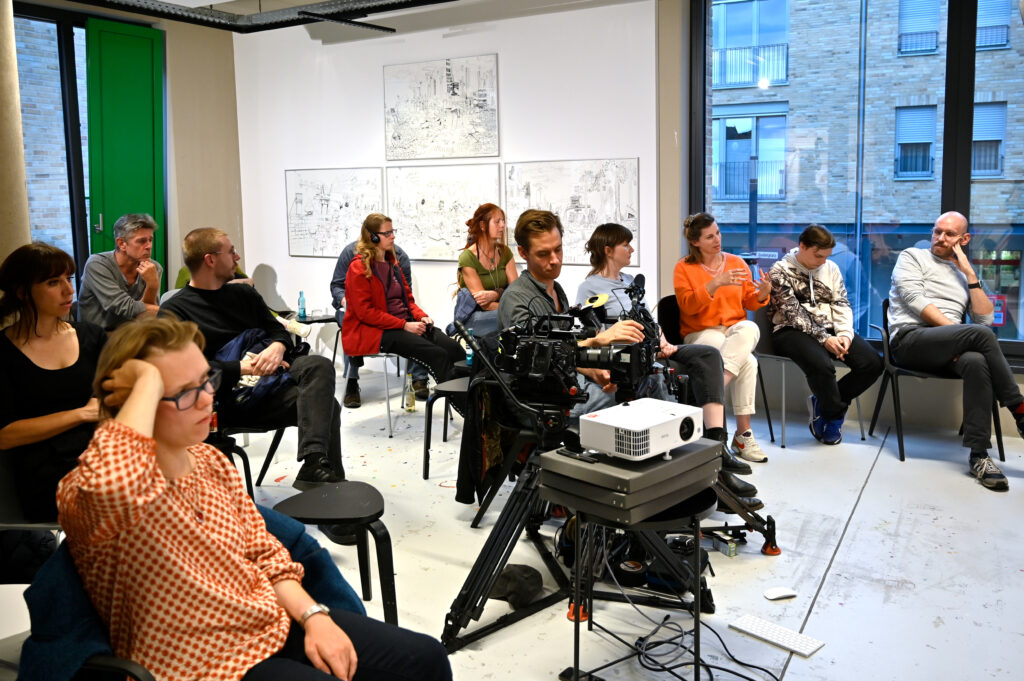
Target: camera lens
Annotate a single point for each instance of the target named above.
(686, 429)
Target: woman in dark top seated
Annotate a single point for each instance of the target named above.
(382, 315)
(47, 411)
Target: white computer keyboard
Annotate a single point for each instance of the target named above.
(780, 636)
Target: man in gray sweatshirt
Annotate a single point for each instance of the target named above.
(932, 292)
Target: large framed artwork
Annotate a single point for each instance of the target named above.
(429, 206)
(584, 194)
(447, 108)
(327, 206)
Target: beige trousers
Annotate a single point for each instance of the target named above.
(736, 343)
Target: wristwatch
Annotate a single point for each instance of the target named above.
(312, 610)
(976, 284)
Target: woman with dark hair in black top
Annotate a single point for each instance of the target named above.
(47, 365)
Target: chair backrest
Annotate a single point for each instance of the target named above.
(11, 515)
(167, 295)
(766, 343)
(668, 319)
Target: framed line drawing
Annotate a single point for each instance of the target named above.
(446, 108)
(326, 207)
(429, 206)
(583, 194)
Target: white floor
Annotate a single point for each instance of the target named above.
(905, 570)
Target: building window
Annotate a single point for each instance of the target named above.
(741, 144)
(750, 43)
(987, 145)
(915, 136)
(993, 23)
(919, 26)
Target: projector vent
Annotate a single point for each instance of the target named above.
(633, 443)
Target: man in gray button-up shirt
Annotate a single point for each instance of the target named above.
(933, 291)
(123, 284)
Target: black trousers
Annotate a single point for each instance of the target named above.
(307, 403)
(434, 350)
(385, 653)
(703, 364)
(972, 352)
(819, 368)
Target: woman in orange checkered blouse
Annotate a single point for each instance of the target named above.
(176, 557)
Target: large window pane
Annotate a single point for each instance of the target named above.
(42, 116)
(997, 169)
(828, 145)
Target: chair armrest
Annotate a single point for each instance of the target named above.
(118, 665)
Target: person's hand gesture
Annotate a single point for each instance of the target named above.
(733, 277)
(147, 270)
(963, 263)
(329, 648)
(764, 287)
(122, 379)
(269, 360)
(834, 345)
(626, 331)
(418, 328)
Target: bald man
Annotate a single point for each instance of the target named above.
(933, 291)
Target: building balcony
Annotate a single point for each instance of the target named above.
(993, 36)
(749, 66)
(731, 181)
(920, 42)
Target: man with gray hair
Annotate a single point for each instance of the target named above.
(122, 284)
(933, 291)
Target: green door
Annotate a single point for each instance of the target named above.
(125, 81)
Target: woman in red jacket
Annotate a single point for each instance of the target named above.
(381, 315)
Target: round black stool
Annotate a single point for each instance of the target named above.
(350, 508)
(456, 386)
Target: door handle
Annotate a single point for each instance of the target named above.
(98, 227)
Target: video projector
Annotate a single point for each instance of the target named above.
(641, 429)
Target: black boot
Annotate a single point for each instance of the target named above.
(729, 462)
(752, 504)
(740, 488)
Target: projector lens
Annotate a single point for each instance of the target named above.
(686, 429)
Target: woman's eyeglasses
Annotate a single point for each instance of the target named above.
(187, 398)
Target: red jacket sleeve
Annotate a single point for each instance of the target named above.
(359, 299)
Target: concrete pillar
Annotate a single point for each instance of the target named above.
(14, 218)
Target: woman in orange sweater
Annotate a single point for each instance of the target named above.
(714, 290)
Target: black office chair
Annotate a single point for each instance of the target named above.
(891, 377)
(668, 319)
(766, 350)
(225, 441)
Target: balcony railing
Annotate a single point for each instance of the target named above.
(986, 159)
(993, 36)
(748, 66)
(914, 160)
(919, 42)
(731, 181)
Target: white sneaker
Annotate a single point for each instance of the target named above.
(746, 446)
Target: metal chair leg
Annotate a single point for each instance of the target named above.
(898, 413)
(999, 430)
(878, 402)
(860, 418)
(764, 399)
(386, 570)
(782, 368)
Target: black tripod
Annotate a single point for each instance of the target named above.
(522, 511)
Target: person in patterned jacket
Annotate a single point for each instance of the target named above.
(812, 324)
(176, 557)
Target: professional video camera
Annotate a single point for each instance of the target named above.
(538, 361)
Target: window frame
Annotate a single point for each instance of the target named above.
(928, 49)
(720, 56)
(928, 174)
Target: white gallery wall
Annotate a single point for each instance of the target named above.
(572, 85)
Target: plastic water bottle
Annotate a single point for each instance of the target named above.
(410, 394)
(469, 352)
(302, 305)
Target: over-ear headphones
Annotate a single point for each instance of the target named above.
(374, 237)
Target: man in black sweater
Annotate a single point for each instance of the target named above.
(222, 314)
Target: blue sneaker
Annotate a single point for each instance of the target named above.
(817, 422)
(832, 433)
